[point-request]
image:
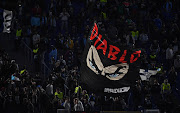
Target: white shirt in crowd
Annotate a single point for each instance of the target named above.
(79, 106)
(64, 16)
(49, 89)
(169, 53)
(177, 62)
(36, 39)
(67, 105)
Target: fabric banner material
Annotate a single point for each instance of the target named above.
(7, 16)
(108, 67)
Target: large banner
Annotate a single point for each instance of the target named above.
(108, 68)
(5, 20)
(1, 20)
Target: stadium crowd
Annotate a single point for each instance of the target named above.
(57, 31)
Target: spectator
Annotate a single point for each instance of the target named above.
(135, 34)
(20, 10)
(154, 47)
(36, 38)
(30, 107)
(52, 23)
(70, 43)
(69, 4)
(49, 89)
(53, 54)
(13, 66)
(158, 22)
(36, 10)
(78, 106)
(137, 95)
(67, 104)
(143, 8)
(36, 54)
(165, 89)
(167, 7)
(143, 38)
(172, 75)
(148, 103)
(112, 32)
(155, 89)
(123, 104)
(86, 105)
(92, 101)
(58, 94)
(44, 23)
(130, 23)
(64, 19)
(69, 58)
(164, 45)
(177, 63)
(174, 29)
(28, 35)
(127, 5)
(85, 95)
(52, 6)
(25, 106)
(18, 37)
(169, 55)
(35, 21)
(78, 90)
(102, 2)
(130, 41)
(175, 46)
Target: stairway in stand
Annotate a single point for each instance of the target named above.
(7, 43)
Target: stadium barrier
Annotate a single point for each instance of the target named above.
(45, 70)
(63, 111)
(151, 111)
(120, 112)
(28, 52)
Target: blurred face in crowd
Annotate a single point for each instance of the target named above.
(17, 89)
(85, 101)
(178, 57)
(139, 81)
(170, 46)
(25, 100)
(64, 10)
(75, 101)
(155, 81)
(172, 68)
(166, 81)
(67, 99)
(84, 92)
(57, 90)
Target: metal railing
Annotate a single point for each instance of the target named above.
(28, 53)
(44, 69)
